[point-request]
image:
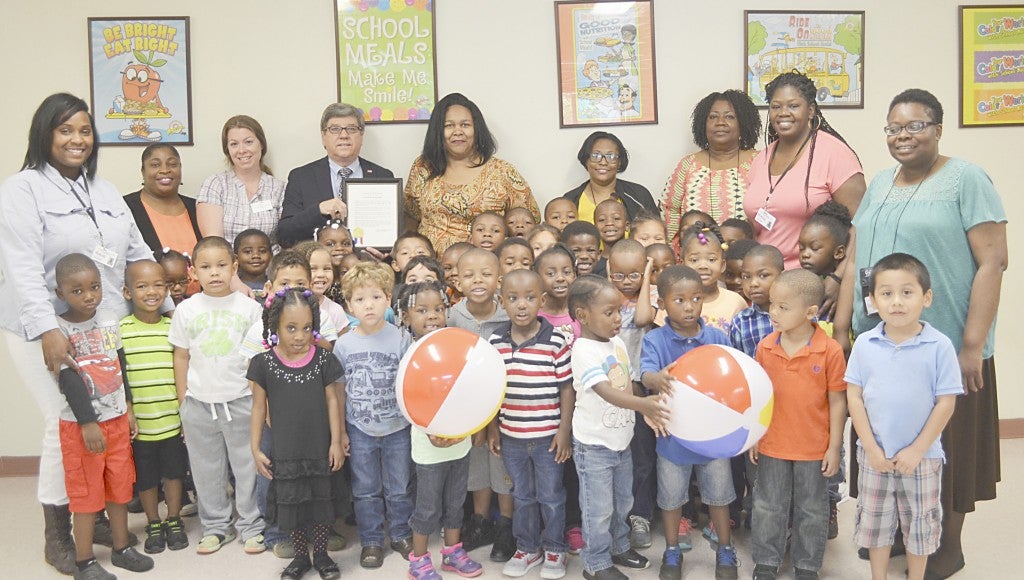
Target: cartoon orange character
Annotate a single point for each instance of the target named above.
(141, 84)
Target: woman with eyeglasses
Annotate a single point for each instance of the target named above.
(245, 196)
(604, 157)
(457, 177)
(726, 127)
(944, 211)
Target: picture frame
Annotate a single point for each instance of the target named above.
(826, 45)
(385, 59)
(140, 79)
(606, 63)
(376, 213)
(991, 86)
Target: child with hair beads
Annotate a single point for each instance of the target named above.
(801, 447)
(442, 464)
(514, 254)
(97, 423)
(295, 382)
(480, 314)
(542, 237)
(902, 380)
(207, 332)
(176, 266)
(630, 272)
(704, 252)
(602, 427)
(487, 231)
(680, 295)
(686, 221)
(733, 277)
(647, 228)
(533, 430)
(519, 221)
(158, 449)
(450, 265)
(321, 278)
(338, 240)
(377, 432)
(252, 250)
(735, 229)
(560, 212)
(583, 239)
(610, 218)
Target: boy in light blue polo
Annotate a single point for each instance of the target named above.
(680, 294)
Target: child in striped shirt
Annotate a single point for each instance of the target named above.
(533, 429)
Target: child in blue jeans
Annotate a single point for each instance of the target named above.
(602, 427)
(680, 294)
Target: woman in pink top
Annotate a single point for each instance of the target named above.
(805, 164)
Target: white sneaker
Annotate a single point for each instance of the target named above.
(521, 563)
(554, 565)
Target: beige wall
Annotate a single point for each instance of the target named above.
(276, 61)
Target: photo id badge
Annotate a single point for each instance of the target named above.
(261, 206)
(764, 218)
(104, 256)
(865, 288)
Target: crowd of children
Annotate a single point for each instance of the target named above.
(289, 399)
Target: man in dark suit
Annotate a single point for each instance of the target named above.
(313, 192)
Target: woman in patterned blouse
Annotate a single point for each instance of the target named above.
(457, 176)
(726, 127)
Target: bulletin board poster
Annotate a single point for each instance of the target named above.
(827, 46)
(386, 63)
(140, 79)
(991, 66)
(606, 63)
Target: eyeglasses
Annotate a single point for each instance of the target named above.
(913, 127)
(619, 276)
(338, 130)
(597, 157)
(173, 283)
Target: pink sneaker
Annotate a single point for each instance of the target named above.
(685, 525)
(574, 537)
(455, 559)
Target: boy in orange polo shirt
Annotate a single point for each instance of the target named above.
(801, 448)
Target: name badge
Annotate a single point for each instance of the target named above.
(764, 218)
(864, 277)
(104, 256)
(261, 206)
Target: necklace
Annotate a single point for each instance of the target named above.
(899, 216)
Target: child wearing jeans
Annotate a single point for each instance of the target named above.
(533, 430)
(207, 332)
(602, 428)
(801, 447)
(902, 381)
(376, 431)
(442, 463)
(96, 424)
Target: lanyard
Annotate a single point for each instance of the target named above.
(772, 186)
(88, 208)
(899, 217)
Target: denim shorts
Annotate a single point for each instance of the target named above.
(487, 470)
(714, 480)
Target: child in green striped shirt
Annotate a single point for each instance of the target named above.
(158, 447)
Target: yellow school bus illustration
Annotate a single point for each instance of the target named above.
(825, 66)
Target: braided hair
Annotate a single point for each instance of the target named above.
(703, 232)
(407, 294)
(836, 218)
(274, 305)
(805, 87)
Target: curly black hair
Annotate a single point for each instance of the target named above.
(746, 115)
(834, 216)
(920, 97)
(276, 302)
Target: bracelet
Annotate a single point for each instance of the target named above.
(835, 277)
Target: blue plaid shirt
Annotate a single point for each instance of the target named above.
(748, 328)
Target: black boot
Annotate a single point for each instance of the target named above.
(479, 532)
(59, 550)
(104, 536)
(504, 542)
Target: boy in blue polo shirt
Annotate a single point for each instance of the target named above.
(902, 382)
(681, 295)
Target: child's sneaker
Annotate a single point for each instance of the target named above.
(710, 534)
(726, 563)
(685, 525)
(574, 537)
(174, 533)
(765, 572)
(639, 532)
(156, 539)
(422, 568)
(554, 566)
(213, 542)
(455, 559)
(131, 560)
(671, 565)
(521, 563)
(93, 571)
(255, 545)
